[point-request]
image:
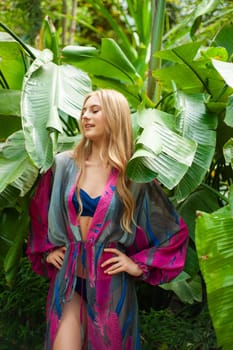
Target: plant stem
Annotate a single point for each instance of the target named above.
(158, 14)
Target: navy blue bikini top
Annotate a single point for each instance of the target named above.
(89, 203)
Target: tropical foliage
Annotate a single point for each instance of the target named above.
(178, 80)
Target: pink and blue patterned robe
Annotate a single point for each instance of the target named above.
(158, 244)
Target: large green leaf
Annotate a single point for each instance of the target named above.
(161, 150)
(8, 197)
(9, 112)
(109, 68)
(192, 70)
(10, 102)
(204, 198)
(225, 69)
(110, 62)
(47, 89)
(214, 241)
(196, 123)
(15, 166)
(188, 290)
(66, 143)
(13, 63)
(191, 264)
(223, 38)
(179, 54)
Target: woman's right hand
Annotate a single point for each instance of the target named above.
(56, 257)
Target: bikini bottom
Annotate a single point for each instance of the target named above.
(81, 288)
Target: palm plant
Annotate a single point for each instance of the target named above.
(181, 112)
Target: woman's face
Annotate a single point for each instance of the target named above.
(92, 120)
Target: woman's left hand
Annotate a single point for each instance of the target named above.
(120, 263)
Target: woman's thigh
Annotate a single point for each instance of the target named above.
(70, 333)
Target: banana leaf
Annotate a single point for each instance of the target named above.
(13, 63)
(160, 151)
(223, 38)
(48, 89)
(15, 166)
(109, 67)
(214, 241)
(10, 120)
(225, 70)
(192, 70)
(13, 66)
(186, 288)
(196, 123)
(204, 198)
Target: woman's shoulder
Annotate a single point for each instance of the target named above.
(64, 158)
(64, 161)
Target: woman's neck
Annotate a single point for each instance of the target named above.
(95, 159)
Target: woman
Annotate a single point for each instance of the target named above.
(95, 234)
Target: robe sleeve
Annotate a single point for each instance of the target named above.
(38, 242)
(161, 239)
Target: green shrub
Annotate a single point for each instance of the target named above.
(179, 330)
(22, 316)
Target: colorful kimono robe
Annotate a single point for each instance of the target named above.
(157, 244)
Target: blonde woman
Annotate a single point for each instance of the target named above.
(95, 234)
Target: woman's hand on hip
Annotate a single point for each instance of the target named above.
(56, 257)
(120, 263)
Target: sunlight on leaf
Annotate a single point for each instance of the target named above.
(225, 69)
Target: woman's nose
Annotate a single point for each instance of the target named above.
(86, 115)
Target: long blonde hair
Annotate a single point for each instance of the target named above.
(118, 142)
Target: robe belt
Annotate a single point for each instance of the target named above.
(66, 278)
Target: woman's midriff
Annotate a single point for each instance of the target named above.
(85, 222)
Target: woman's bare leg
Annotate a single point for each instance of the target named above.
(69, 334)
